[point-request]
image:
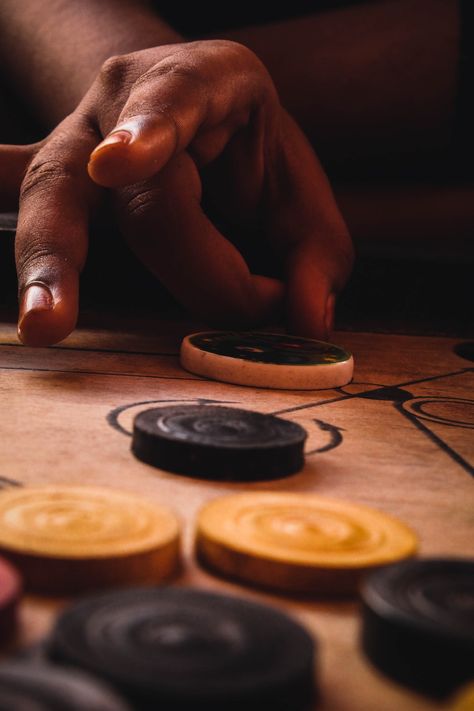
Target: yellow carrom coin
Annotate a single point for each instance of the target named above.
(298, 542)
(69, 538)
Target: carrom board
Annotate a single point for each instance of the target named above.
(398, 438)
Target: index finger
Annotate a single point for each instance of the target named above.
(196, 91)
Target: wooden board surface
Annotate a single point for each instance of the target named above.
(398, 438)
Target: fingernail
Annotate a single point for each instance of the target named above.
(119, 136)
(329, 313)
(36, 297)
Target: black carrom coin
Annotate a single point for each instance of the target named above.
(214, 442)
(418, 623)
(177, 649)
(37, 687)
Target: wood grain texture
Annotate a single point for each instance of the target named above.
(399, 438)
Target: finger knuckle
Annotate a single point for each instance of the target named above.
(43, 175)
(114, 71)
(36, 256)
(247, 62)
(181, 69)
(224, 48)
(138, 201)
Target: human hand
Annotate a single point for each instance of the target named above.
(172, 117)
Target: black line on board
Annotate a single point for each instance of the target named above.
(5, 482)
(399, 406)
(432, 377)
(387, 394)
(95, 372)
(435, 439)
(98, 350)
(335, 437)
(351, 396)
(417, 403)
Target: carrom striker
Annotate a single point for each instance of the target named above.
(267, 360)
